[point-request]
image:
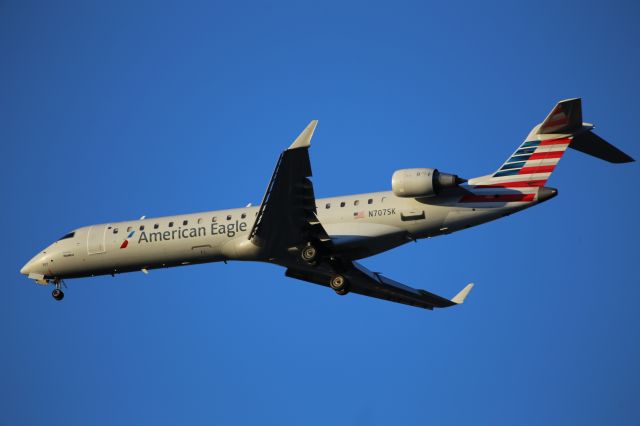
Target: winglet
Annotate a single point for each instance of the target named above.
(459, 298)
(304, 139)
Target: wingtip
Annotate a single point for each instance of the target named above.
(304, 139)
(570, 99)
(459, 298)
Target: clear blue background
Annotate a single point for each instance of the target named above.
(113, 110)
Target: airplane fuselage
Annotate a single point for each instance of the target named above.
(359, 225)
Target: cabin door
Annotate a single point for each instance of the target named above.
(96, 239)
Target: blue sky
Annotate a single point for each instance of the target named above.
(113, 110)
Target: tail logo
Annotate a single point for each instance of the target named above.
(532, 163)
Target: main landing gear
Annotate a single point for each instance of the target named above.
(57, 293)
(339, 284)
(310, 255)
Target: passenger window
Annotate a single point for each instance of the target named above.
(370, 201)
(228, 217)
(156, 226)
(184, 222)
(199, 220)
(214, 219)
(243, 215)
(170, 224)
(142, 227)
(342, 204)
(128, 229)
(115, 230)
(356, 202)
(327, 206)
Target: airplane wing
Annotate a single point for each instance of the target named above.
(373, 284)
(287, 216)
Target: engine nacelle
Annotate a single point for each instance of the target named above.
(416, 183)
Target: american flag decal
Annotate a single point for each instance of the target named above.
(358, 215)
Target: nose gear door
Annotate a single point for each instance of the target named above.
(96, 239)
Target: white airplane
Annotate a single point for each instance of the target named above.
(319, 240)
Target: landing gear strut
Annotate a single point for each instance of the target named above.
(57, 293)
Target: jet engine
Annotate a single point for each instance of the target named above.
(416, 183)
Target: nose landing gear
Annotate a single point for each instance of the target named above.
(57, 293)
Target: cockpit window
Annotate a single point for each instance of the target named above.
(69, 235)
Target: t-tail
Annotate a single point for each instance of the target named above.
(531, 165)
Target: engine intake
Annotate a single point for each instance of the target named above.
(416, 183)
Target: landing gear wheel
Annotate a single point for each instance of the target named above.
(339, 284)
(309, 253)
(57, 294)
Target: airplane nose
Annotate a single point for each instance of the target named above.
(27, 268)
(32, 265)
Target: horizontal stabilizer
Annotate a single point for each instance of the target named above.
(592, 144)
(459, 298)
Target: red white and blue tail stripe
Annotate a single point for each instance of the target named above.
(522, 177)
(524, 172)
(531, 164)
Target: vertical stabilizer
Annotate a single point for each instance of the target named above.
(536, 158)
